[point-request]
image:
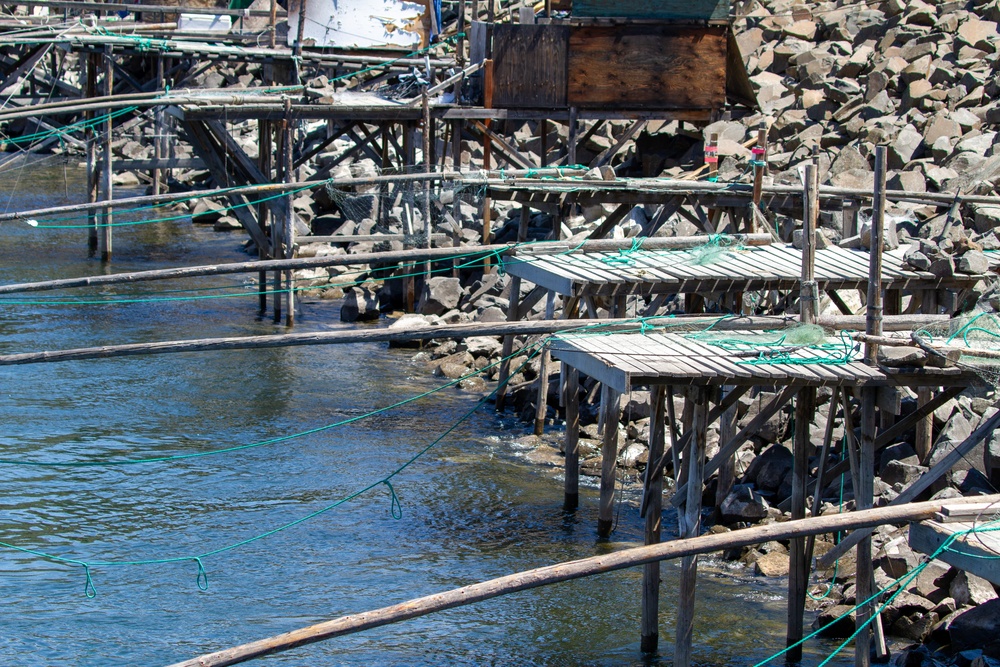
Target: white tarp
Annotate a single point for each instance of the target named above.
(359, 23)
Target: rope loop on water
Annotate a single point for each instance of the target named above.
(202, 579)
(396, 508)
(88, 587)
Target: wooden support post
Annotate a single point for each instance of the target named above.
(541, 405)
(850, 218)
(487, 150)
(573, 130)
(611, 412)
(104, 239)
(513, 304)
(809, 291)
(157, 174)
(272, 26)
(428, 134)
(712, 156)
(299, 35)
(460, 56)
(727, 468)
(89, 85)
(925, 427)
(864, 491)
(798, 576)
(542, 398)
(543, 138)
(571, 498)
(759, 153)
(287, 158)
(654, 515)
(689, 525)
(408, 158)
(264, 147)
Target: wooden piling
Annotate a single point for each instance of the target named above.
(288, 228)
(487, 156)
(264, 148)
(611, 411)
(104, 238)
(89, 85)
(798, 573)
(654, 489)
(571, 499)
(513, 314)
(759, 153)
(156, 173)
(727, 468)
(689, 521)
(864, 493)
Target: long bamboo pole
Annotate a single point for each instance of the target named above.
(378, 336)
(568, 571)
(31, 214)
(416, 254)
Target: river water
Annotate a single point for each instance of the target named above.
(471, 508)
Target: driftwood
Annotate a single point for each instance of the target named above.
(568, 571)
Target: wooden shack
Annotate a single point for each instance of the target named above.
(655, 55)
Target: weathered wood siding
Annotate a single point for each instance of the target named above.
(654, 9)
(647, 67)
(529, 66)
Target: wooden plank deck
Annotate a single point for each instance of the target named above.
(626, 360)
(778, 266)
(977, 553)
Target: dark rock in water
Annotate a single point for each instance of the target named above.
(360, 304)
(743, 504)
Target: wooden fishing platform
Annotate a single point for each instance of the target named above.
(777, 266)
(625, 361)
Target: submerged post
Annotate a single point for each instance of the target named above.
(89, 85)
(689, 521)
(105, 236)
(571, 498)
(611, 409)
(287, 131)
(654, 514)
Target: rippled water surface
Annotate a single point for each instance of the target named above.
(472, 509)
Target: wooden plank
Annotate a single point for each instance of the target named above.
(539, 272)
(975, 554)
(529, 65)
(647, 67)
(602, 371)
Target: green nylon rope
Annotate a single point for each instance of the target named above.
(90, 590)
(133, 223)
(902, 583)
(261, 443)
(66, 129)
